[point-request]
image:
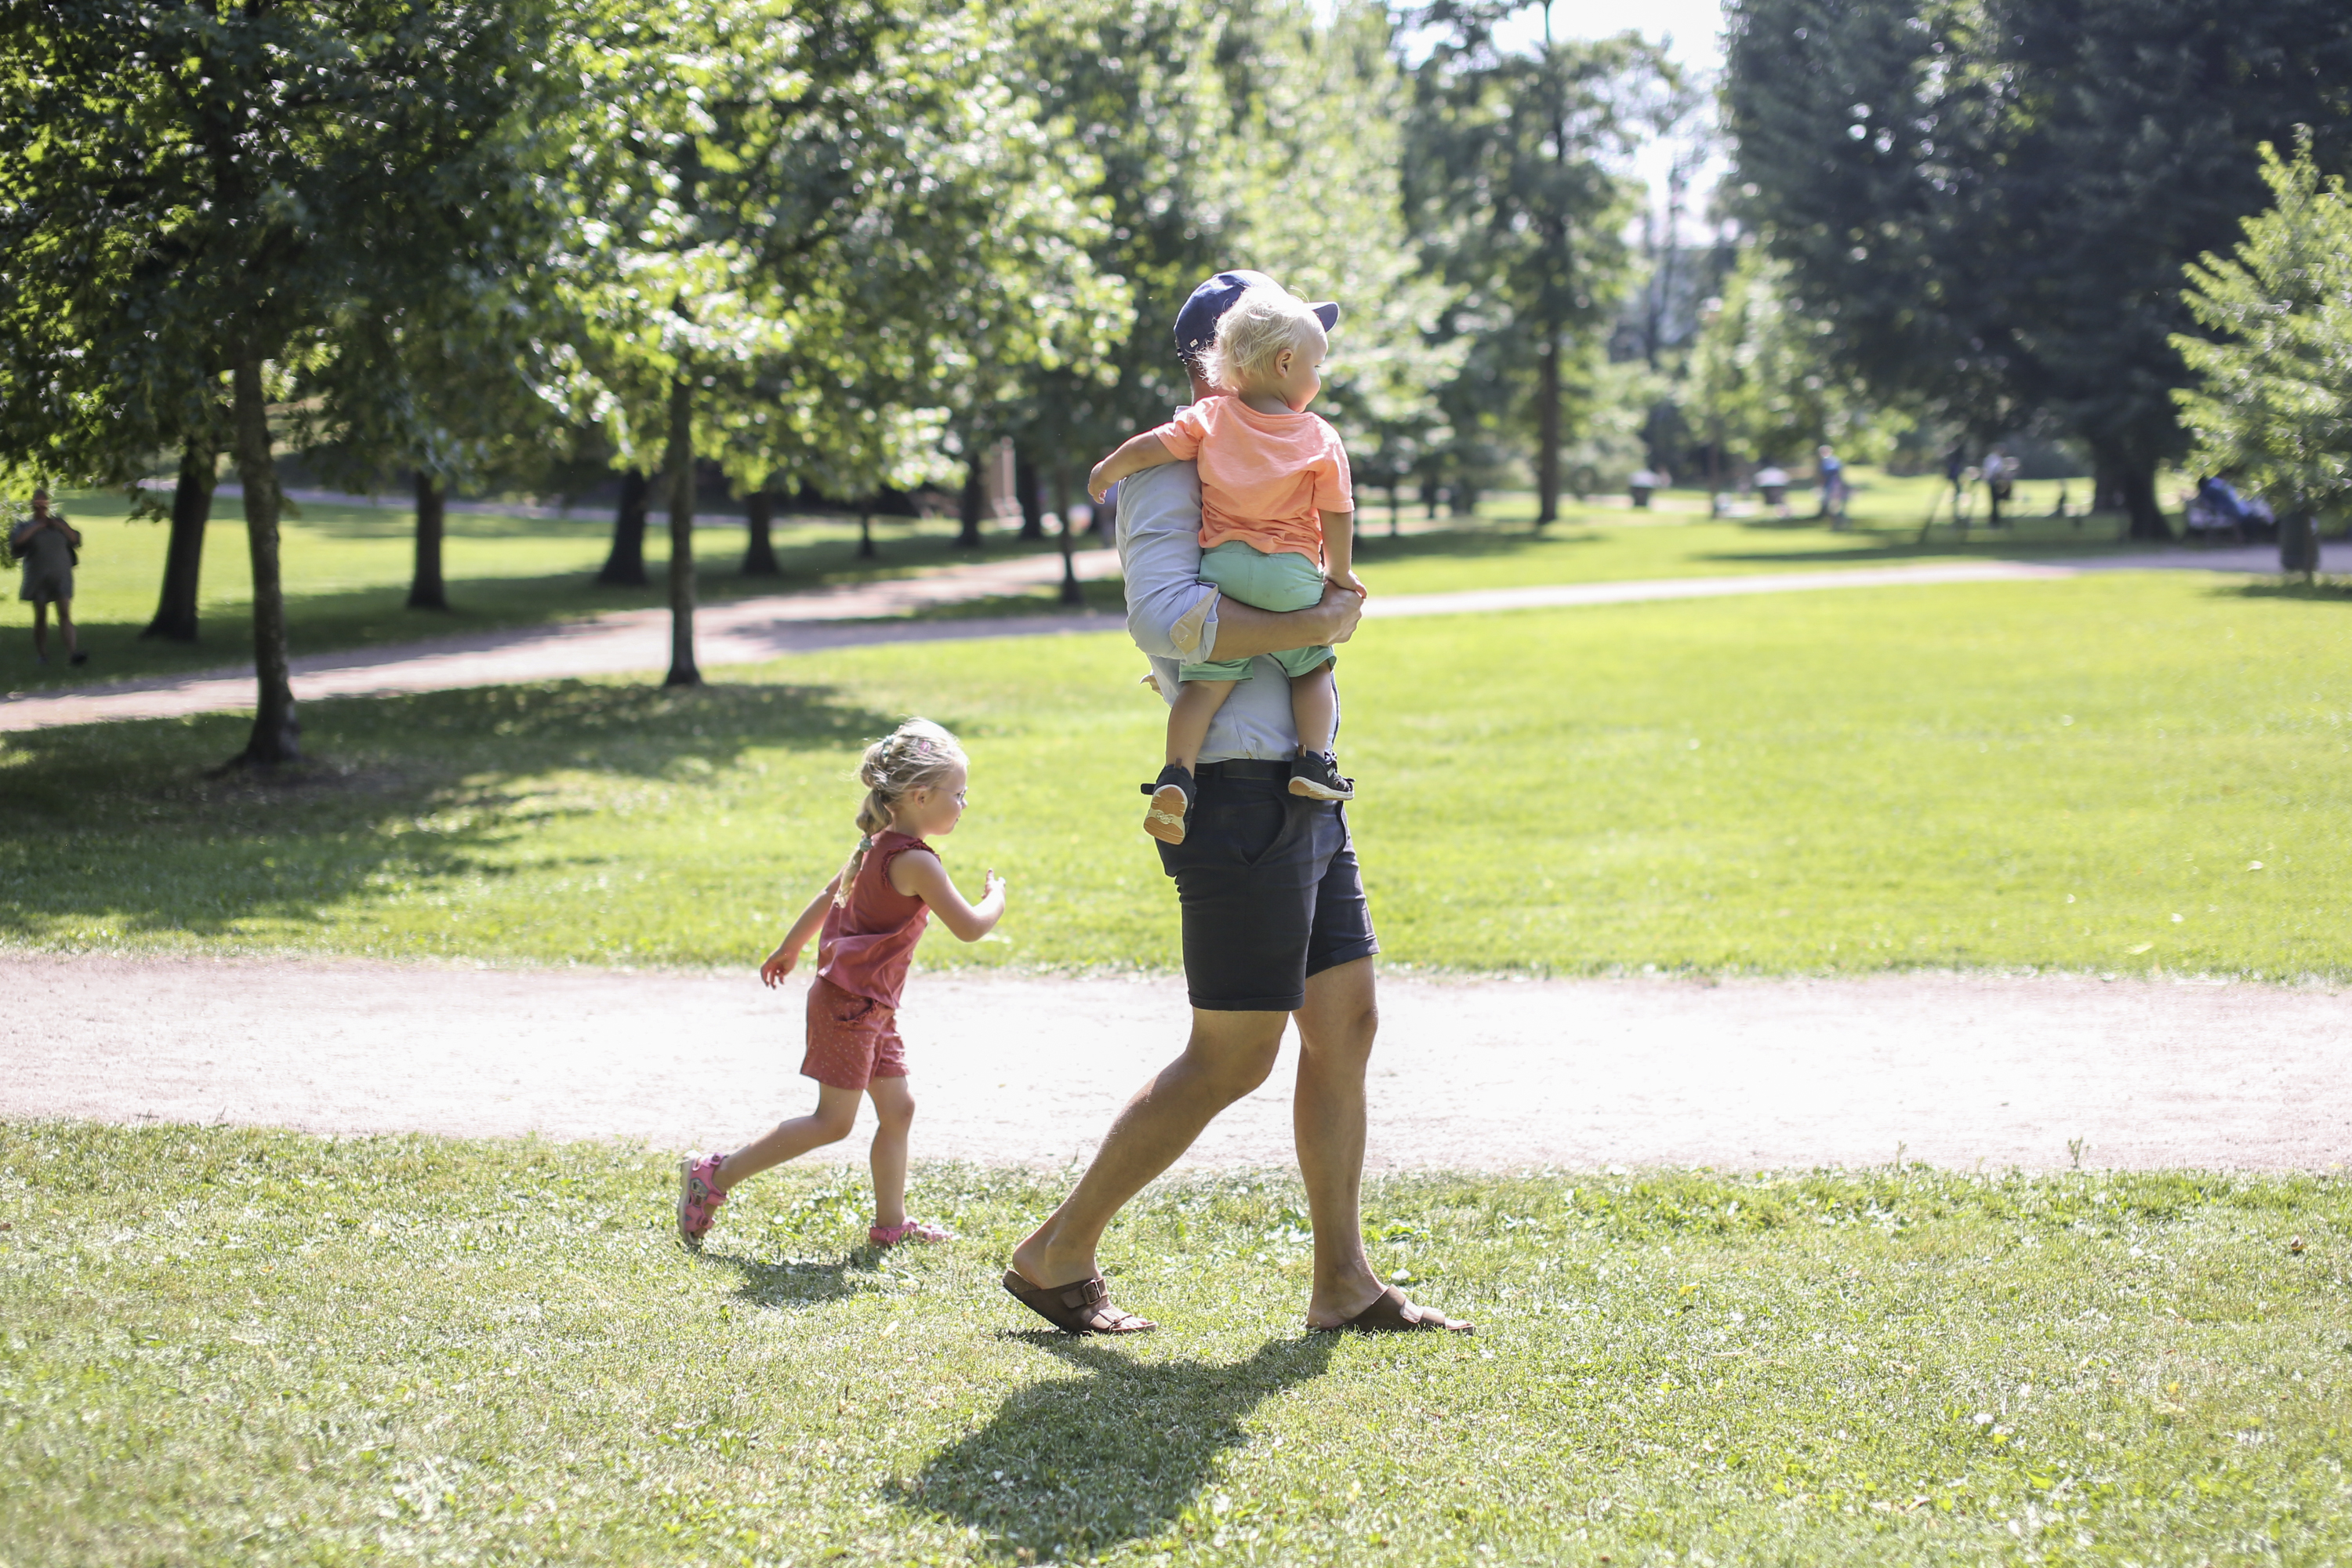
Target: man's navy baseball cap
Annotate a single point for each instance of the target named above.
(1196, 323)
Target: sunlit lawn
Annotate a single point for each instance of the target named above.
(347, 567)
(234, 1347)
(2118, 772)
(347, 571)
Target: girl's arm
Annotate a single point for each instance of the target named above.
(1340, 550)
(920, 876)
(788, 951)
(1135, 455)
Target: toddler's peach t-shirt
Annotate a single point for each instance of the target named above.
(1266, 479)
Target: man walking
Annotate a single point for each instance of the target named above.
(45, 543)
(1274, 923)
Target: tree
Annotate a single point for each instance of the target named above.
(1508, 169)
(1759, 387)
(192, 188)
(1990, 200)
(2273, 397)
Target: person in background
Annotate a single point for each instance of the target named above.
(1832, 487)
(46, 546)
(1999, 479)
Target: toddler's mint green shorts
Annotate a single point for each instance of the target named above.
(1263, 581)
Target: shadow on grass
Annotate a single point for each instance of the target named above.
(2324, 590)
(129, 823)
(797, 1282)
(1082, 1465)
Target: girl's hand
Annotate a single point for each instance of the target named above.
(778, 964)
(1353, 583)
(995, 887)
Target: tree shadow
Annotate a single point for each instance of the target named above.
(1082, 1465)
(1488, 543)
(2323, 591)
(130, 822)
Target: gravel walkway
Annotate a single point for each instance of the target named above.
(1957, 1071)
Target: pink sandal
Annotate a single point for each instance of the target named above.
(698, 1198)
(913, 1230)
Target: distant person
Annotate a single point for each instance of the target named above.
(866, 922)
(1999, 479)
(1277, 522)
(48, 549)
(1832, 484)
(1645, 483)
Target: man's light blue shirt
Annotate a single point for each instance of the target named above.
(1172, 613)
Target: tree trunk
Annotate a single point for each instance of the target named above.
(759, 549)
(277, 735)
(625, 566)
(1547, 429)
(2148, 521)
(680, 461)
(183, 558)
(1033, 504)
(968, 508)
(865, 534)
(1071, 593)
(426, 592)
(1396, 524)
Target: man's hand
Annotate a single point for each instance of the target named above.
(1345, 606)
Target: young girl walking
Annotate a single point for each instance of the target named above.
(866, 922)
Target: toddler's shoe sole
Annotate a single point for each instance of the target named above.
(1314, 790)
(1165, 820)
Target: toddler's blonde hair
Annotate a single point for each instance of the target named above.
(916, 755)
(1253, 331)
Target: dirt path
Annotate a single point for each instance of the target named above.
(1494, 1075)
(756, 630)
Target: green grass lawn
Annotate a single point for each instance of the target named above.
(234, 1347)
(347, 567)
(347, 571)
(2140, 772)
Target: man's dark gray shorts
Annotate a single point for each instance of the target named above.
(1269, 889)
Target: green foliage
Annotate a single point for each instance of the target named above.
(227, 1346)
(2275, 401)
(1760, 389)
(1510, 183)
(1987, 201)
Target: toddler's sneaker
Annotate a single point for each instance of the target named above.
(913, 1230)
(1172, 802)
(698, 1198)
(1316, 775)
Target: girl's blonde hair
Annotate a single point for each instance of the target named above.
(915, 755)
(1255, 329)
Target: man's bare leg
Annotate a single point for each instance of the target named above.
(1228, 1056)
(1336, 1028)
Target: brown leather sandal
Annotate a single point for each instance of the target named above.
(1391, 1313)
(1081, 1309)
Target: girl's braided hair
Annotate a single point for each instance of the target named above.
(915, 755)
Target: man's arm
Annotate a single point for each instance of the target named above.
(1172, 613)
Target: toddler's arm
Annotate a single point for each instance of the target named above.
(920, 876)
(1134, 454)
(788, 951)
(1340, 550)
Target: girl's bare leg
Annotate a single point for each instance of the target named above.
(1188, 719)
(893, 1102)
(1315, 709)
(835, 1114)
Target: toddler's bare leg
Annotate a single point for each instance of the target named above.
(1315, 709)
(1188, 719)
(894, 1103)
(835, 1114)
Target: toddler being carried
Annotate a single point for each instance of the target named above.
(1277, 517)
